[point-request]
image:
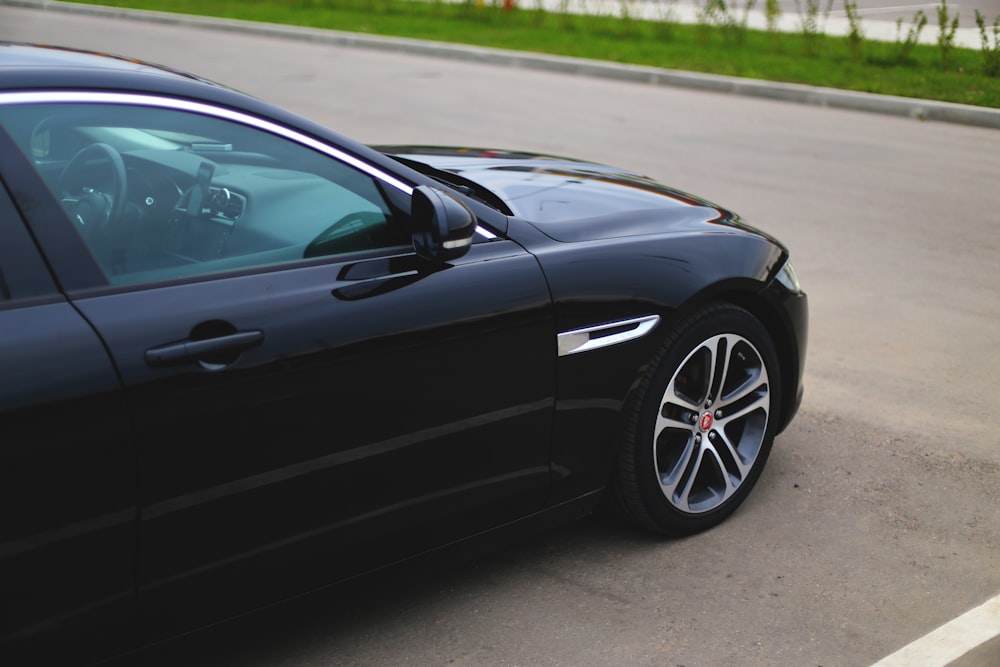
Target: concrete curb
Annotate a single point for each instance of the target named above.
(788, 92)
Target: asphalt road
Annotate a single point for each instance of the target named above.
(878, 518)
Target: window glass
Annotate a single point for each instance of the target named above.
(159, 194)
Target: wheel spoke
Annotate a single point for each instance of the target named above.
(673, 396)
(721, 350)
(723, 470)
(675, 417)
(746, 388)
(755, 399)
(742, 468)
(669, 479)
(690, 474)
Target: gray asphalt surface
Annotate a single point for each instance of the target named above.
(878, 518)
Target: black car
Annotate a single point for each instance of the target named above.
(244, 357)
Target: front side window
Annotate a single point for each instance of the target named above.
(159, 194)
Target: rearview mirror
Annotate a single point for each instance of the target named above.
(443, 226)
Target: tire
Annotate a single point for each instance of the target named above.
(701, 425)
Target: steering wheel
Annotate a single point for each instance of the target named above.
(94, 200)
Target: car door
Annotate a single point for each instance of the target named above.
(311, 399)
(67, 466)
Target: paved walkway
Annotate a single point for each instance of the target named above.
(877, 23)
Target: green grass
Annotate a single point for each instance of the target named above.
(825, 61)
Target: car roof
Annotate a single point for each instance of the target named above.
(18, 56)
(35, 67)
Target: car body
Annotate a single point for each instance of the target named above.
(246, 357)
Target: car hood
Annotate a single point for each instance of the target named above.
(574, 200)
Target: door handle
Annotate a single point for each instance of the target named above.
(188, 351)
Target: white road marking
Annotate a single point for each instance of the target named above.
(951, 641)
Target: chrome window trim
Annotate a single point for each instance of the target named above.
(160, 102)
(594, 337)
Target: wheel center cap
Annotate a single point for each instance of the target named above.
(706, 421)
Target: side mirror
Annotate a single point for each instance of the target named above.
(443, 226)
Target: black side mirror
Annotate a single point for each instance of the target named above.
(443, 226)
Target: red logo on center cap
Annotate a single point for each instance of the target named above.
(706, 421)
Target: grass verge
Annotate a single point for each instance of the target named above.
(820, 60)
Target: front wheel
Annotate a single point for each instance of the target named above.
(701, 425)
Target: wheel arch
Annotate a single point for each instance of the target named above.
(766, 307)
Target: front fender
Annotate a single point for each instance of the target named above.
(599, 282)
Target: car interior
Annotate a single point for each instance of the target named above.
(160, 194)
